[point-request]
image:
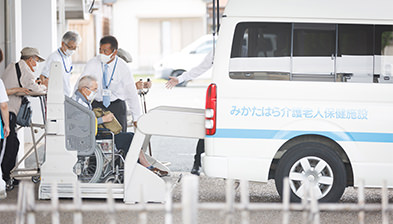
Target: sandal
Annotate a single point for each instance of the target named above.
(160, 173)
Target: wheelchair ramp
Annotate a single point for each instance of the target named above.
(140, 184)
(65, 140)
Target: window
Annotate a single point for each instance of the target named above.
(314, 40)
(355, 40)
(384, 53)
(384, 40)
(262, 40)
(312, 52)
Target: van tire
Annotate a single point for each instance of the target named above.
(299, 163)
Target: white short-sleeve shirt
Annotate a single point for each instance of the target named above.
(3, 93)
(66, 62)
(121, 83)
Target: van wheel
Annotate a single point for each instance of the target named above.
(177, 73)
(315, 165)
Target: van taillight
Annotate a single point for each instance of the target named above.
(211, 108)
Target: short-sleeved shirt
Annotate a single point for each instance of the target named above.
(121, 83)
(3, 99)
(58, 56)
(27, 81)
(3, 93)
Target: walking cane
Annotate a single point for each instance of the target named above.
(143, 89)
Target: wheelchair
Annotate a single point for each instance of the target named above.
(98, 160)
(105, 165)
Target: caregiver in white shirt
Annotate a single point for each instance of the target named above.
(116, 87)
(69, 45)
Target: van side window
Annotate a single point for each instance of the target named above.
(261, 51)
(384, 53)
(262, 40)
(384, 40)
(357, 53)
(314, 40)
(355, 40)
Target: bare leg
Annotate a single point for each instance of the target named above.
(142, 159)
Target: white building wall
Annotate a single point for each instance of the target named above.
(39, 26)
(39, 30)
(14, 33)
(128, 15)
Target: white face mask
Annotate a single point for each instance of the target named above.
(105, 58)
(34, 68)
(69, 52)
(91, 96)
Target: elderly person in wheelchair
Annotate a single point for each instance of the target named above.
(106, 164)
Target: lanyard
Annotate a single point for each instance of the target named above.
(106, 86)
(65, 68)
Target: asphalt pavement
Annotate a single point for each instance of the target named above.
(212, 190)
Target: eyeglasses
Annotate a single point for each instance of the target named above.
(91, 89)
(71, 48)
(106, 51)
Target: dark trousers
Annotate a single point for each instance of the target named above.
(199, 150)
(123, 141)
(118, 108)
(11, 149)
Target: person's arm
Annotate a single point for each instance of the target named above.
(132, 97)
(5, 117)
(27, 80)
(205, 65)
(44, 77)
(16, 90)
(106, 118)
(44, 80)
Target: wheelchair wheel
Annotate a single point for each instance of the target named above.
(116, 178)
(92, 167)
(36, 179)
(112, 179)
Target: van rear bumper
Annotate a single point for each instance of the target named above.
(252, 169)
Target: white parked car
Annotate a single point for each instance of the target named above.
(190, 56)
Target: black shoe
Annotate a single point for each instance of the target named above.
(196, 170)
(15, 182)
(9, 185)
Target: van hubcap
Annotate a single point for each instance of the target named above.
(311, 174)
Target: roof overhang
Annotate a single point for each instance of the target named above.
(79, 9)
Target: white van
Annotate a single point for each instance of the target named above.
(303, 89)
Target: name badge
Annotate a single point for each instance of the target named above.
(106, 92)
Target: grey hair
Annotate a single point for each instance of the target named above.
(86, 81)
(71, 36)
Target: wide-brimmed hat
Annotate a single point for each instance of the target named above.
(31, 51)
